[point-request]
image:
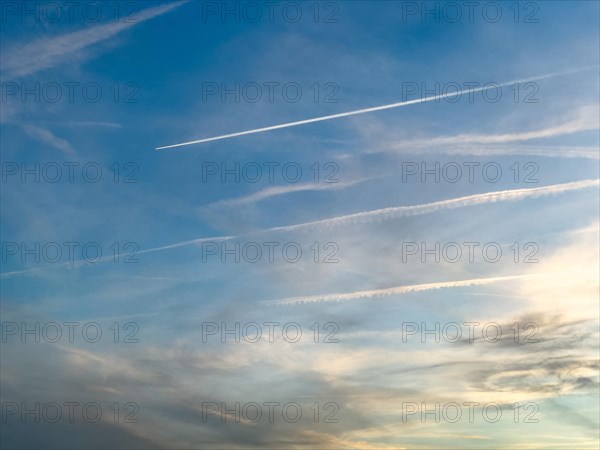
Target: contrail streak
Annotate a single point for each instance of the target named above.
(459, 202)
(373, 109)
(365, 217)
(374, 293)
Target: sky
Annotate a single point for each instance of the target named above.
(386, 238)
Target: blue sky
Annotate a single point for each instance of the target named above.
(161, 62)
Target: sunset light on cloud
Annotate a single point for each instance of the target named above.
(300, 225)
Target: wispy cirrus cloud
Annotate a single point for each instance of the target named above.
(48, 52)
(585, 119)
(276, 191)
(47, 137)
(553, 151)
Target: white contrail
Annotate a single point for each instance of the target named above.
(390, 291)
(459, 202)
(369, 216)
(83, 262)
(374, 108)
